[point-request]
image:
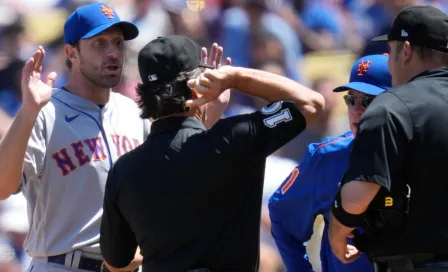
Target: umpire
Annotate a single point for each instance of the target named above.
(395, 190)
(190, 198)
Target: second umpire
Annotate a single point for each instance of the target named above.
(395, 190)
(190, 198)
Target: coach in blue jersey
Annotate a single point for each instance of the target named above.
(310, 189)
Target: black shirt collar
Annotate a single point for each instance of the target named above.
(175, 123)
(439, 72)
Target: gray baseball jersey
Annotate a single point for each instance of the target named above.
(71, 149)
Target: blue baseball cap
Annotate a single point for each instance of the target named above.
(369, 75)
(90, 20)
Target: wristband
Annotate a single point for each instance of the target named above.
(345, 218)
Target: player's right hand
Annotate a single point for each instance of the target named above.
(35, 92)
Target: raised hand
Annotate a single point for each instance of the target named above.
(215, 58)
(35, 92)
(218, 104)
(206, 95)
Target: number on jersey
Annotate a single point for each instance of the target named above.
(273, 120)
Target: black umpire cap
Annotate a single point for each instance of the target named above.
(162, 59)
(425, 26)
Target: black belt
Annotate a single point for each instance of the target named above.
(84, 263)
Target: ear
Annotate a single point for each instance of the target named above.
(407, 51)
(71, 52)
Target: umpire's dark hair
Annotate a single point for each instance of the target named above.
(160, 100)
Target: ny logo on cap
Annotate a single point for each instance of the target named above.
(152, 77)
(363, 66)
(108, 12)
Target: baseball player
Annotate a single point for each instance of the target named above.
(63, 141)
(309, 190)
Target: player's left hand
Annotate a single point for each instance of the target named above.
(337, 234)
(216, 107)
(215, 59)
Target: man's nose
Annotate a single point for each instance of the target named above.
(359, 108)
(113, 51)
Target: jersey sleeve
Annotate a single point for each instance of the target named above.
(117, 241)
(264, 131)
(293, 210)
(380, 147)
(292, 251)
(35, 153)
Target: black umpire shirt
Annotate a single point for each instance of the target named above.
(403, 140)
(191, 197)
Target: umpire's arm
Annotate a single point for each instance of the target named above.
(117, 241)
(379, 151)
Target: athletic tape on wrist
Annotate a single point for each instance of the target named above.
(345, 218)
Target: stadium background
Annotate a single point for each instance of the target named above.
(312, 41)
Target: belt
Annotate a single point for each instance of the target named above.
(85, 263)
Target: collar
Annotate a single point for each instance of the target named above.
(175, 123)
(439, 72)
(79, 103)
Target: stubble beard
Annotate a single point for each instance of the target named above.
(101, 81)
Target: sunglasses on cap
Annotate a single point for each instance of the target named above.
(350, 100)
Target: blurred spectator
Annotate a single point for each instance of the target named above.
(151, 18)
(189, 21)
(321, 25)
(14, 222)
(11, 65)
(252, 16)
(266, 48)
(5, 122)
(56, 60)
(8, 260)
(382, 23)
(328, 123)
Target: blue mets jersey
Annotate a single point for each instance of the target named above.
(307, 192)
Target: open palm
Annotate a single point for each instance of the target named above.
(215, 59)
(35, 92)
